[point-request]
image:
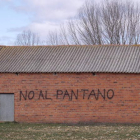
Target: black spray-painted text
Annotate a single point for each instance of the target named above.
(68, 94)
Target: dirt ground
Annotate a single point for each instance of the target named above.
(18, 131)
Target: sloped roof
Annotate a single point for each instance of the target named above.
(119, 59)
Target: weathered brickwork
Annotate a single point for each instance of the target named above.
(74, 98)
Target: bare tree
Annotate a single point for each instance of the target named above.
(64, 35)
(90, 28)
(74, 36)
(112, 22)
(27, 38)
(120, 22)
(53, 38)
(58, 37)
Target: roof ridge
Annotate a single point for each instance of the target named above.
(73, 45)
(2, 46)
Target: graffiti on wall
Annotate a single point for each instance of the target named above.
(68, 94)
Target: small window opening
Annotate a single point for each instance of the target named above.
(93, 73)
(54, 73)
(17, 73)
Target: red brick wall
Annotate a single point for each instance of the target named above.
(50, 98)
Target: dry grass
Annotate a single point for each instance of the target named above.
(16, 131)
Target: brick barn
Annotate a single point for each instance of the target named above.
(70, 84)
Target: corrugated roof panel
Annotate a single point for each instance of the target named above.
(120, 59)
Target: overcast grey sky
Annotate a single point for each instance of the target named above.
(39, 16)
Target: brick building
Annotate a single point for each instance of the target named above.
(70, 84)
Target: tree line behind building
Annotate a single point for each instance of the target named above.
(112, 22)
